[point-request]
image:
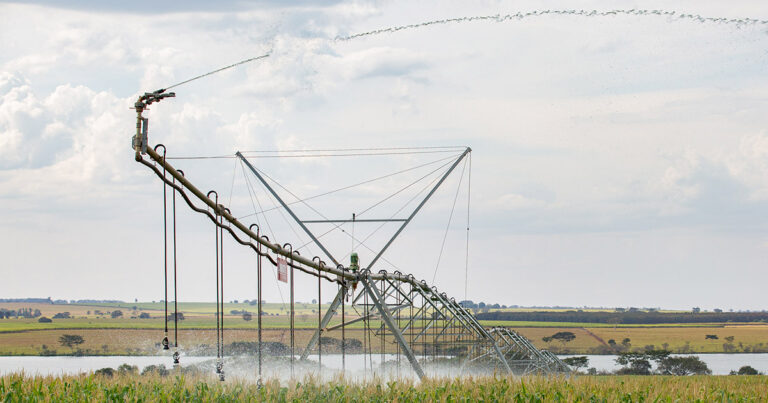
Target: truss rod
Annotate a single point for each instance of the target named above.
(416, 210)
(288, 209)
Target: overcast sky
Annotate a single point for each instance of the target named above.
(617, 160)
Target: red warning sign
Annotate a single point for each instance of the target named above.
(282, 270)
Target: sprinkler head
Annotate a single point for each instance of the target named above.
(176, 357)
(165, 343)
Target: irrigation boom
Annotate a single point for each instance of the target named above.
(414, 315)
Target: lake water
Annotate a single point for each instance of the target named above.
(245, 366)
(720, 364)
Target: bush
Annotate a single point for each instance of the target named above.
(106, 372)
(155, 370)
(62, 315)
(144, 315)
(43, 319)
(126, 369)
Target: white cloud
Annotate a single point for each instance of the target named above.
(578, 125)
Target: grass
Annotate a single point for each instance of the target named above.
(17, 387)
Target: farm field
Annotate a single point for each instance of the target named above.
(678, 339)
(580, 388)
(128, 334)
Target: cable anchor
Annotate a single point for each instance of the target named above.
(139, 141)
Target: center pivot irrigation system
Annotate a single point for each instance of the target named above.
(405, 316)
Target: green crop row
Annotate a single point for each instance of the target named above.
(17, 388)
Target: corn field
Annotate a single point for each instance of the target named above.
(18, 388)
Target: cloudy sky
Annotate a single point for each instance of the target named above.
(617, 160)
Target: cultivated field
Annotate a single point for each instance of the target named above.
(129, 334)
(534, 389)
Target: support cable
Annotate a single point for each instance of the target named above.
(287, 245)
(325, 150)
(383, 329)
(221, 285)
(219, 367)
(343, 286)
(175, 286)
(368, 333)
(234, 235)
(374, 154)
(466, 253)
(252, 195)
(408, 186)
(365, 332)
(258, 296)
(450, 218)
(351, 186)
(165, 341)
(319, 320)
(398, 301)
(424, 189)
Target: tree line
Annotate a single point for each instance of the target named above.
(626, 317)
(28, 313)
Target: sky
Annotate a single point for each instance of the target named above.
(617, 160)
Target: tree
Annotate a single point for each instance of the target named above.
(563, 337)
(689, 365)
(626, 342)
(71, 340)
(696, 309)
(314, 301)
(43, 319)
(634, 364)
(577, 362)
(178, 316)
(144, 315)
(247, 316)
(745, 370)
(612, 342)
(467, 303)
(640, 363)
(61, 315)
(117, 314)
(729, 339)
